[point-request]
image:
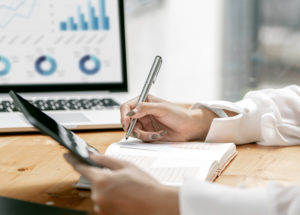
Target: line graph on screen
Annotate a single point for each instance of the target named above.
(15, 9)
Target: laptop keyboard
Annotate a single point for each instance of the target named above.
(64, 104)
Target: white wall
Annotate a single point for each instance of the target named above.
(187, 34)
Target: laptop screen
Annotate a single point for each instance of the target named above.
(62, 45)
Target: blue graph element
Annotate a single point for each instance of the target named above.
(15, 13)
(83, 67)
(7, 66)
(39, 62)
(89, 22)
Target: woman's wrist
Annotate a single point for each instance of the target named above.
(202, 119)
(201, 122)
(230, 113)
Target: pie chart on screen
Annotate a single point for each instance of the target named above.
(5, 66)
(90, 64)
(45, 65)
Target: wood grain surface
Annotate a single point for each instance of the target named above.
(32, 168)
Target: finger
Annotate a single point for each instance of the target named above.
(146, 108)
(146, 125)
(85, 170)
(108, 162)
(150, 124)
(151, 98)
(125, 122)
(124, 109)
(138, 126)
(150, 136)
(154, 123)
(131, 104)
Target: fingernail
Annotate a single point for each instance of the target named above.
(154, 136)
(123, 125)
(163, 133)
(134, 134)
(130, 113)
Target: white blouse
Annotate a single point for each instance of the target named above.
(269, 117)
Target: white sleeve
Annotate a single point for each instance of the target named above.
(269, 117)
(197, 198)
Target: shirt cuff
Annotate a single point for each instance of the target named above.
(242, 128)
(198, 197)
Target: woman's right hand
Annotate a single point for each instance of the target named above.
(165, 121)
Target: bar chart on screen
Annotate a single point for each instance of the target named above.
(94, 19)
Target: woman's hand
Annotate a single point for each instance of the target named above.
(126, 189)
(165, 121)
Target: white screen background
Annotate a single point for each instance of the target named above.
(33, 30)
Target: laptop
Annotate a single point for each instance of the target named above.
(67, 58)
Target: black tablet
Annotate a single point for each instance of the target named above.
(50, 127)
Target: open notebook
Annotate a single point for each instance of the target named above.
(172, 163)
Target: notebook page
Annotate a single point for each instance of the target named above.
(170, 166)
(222, 152)
(172, 163)
(216, 151)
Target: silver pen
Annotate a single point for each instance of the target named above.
(150, 80)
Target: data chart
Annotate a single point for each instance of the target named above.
(42, 42)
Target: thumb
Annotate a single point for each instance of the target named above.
(149, 108)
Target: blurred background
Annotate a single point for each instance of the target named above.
(217, 49)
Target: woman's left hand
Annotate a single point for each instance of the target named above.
(125, 189)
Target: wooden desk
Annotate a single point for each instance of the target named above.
(32, 168)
